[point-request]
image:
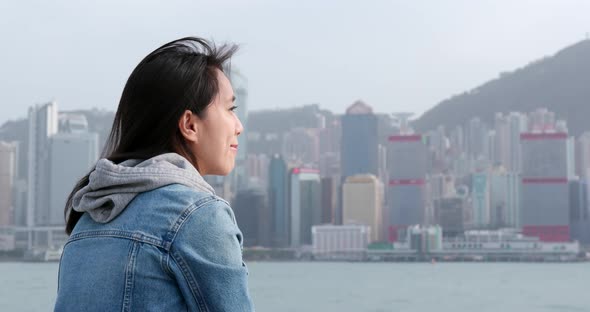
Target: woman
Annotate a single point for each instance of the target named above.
(147, 233)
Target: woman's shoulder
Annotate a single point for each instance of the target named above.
(183, 201)
(161, 211)
(209, 228)
(196, 204)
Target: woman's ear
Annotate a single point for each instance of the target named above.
(188, 124)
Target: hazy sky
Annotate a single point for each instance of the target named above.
(394, 55)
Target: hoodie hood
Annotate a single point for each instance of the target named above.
(112, 186)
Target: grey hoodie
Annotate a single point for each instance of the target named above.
(112, 186)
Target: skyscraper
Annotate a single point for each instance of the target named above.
(583, 155)
(305, 201)
(545, 199)
(359, 153)
(43, 124)
(329, 199)
(504, 199)
(451, 214)
(438, 145)
(72, 155)
(363, 203)
(253, 216)
(580, 211)
(518, 124)
(570, 153)
(477, 140)
(457, 142)
(7, 179)
(502, 146)
(277, 193)
(330, 137)
(407, 174)
(480, 193)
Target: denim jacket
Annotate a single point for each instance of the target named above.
(170, 248)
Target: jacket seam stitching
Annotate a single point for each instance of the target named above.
(117, 234)
(171, 234)
(129, 276)
(193, 285)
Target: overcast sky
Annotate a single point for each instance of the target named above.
(394, 55)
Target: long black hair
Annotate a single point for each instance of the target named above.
(178, 76)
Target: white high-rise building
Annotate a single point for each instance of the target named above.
(72, 155)
(43, 124)
(477, 139)
(583, 155)
(504, 199)
(571, 157)
(502, 142)
(518, 124)
(507, 149)
(7, 179)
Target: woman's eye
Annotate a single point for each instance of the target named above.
(233, 108)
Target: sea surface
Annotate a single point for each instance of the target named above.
(354, 287)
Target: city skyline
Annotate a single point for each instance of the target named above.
(303, 187)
